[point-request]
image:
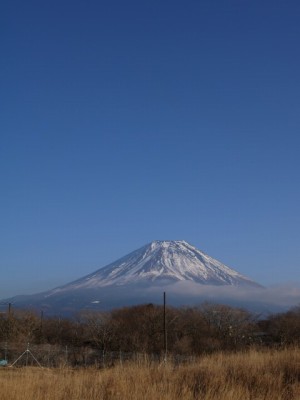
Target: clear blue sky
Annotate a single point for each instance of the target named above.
(123, 122)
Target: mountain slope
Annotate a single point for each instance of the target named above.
(161, 261)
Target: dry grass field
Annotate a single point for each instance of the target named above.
(253, 375)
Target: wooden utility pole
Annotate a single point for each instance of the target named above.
(9, 320)
(165, 330)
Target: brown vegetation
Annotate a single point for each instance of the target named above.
(139, 329)
(259, 375)
(92, 336)
(214, 352)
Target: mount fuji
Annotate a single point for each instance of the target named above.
(161, 261)
(141, 276)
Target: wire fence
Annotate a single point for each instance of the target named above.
(55, 356)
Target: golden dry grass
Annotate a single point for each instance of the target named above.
(254, 375)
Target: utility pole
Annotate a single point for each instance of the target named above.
(42, 318)
(41, 322)
(165, 330)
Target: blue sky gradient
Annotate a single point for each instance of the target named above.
(127, 122)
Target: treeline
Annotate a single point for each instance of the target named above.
(140, 329)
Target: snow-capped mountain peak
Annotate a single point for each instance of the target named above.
(159, 261)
